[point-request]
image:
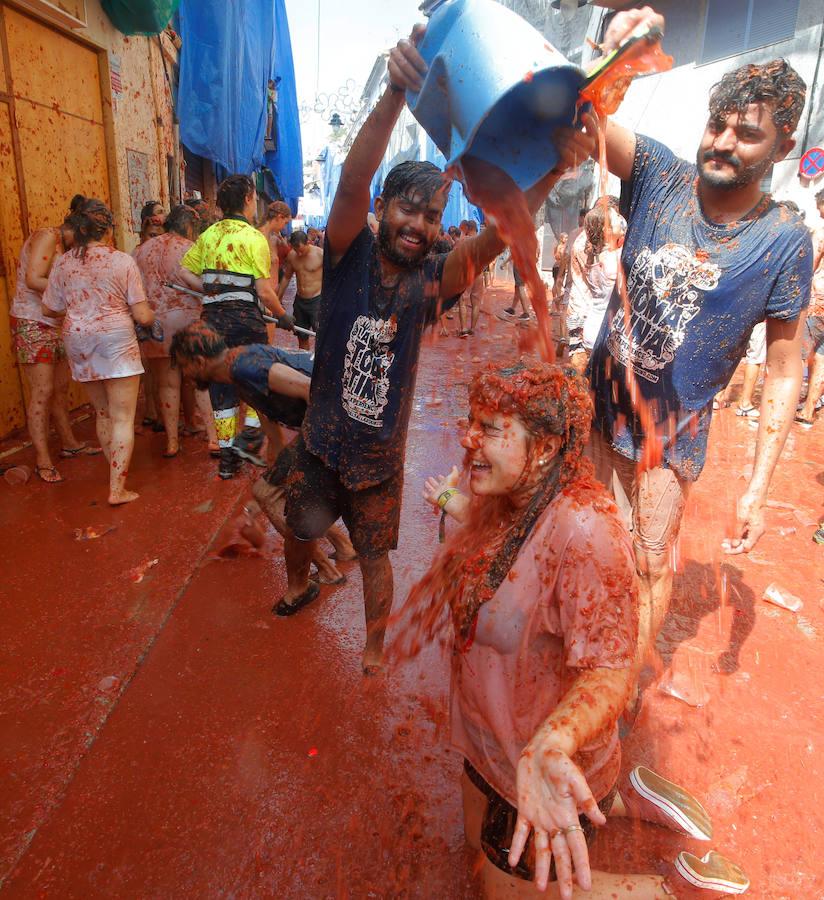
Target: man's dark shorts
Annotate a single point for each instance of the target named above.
(316, 498)
(306, 311)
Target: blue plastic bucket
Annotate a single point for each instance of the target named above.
(496, 89)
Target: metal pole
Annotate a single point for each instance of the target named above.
(271, 319)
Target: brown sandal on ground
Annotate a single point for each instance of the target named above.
(56, 479)
(82, 450)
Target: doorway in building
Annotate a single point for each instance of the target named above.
(52, 146)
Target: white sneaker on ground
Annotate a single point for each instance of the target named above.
(713, 872)
(654, 799)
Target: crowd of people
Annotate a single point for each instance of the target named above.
(556, 578)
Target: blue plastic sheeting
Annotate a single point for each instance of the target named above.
(457, 208)
(230, 53)
(286, 161)
(330, 178)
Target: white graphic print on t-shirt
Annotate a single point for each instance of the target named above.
(366, 369)
(663, 288)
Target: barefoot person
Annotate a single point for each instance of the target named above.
(305, 262)
(537, 592)
(469, 306)
(594, 265)
(707, 256)
(278, 216)
(159, 263)
(276, 383)
(100, 293)
(378, 296)
(40, 352)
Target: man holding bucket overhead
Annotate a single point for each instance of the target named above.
(379, 293)
(707, 256)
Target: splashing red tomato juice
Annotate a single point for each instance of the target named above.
(606, 93)
(504, 203)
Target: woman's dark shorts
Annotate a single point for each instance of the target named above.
(498, 827)
(316, 498)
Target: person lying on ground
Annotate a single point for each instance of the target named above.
(706, 257)
(537, 593)
(305, 262)
(378, 295)
(276, 383)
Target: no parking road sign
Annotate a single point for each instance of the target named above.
(812, 163)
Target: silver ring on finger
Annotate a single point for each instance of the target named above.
(570, 828)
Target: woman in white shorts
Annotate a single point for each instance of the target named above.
(100, 293)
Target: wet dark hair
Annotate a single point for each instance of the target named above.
(412, 178)
(297, 238)
(196, 339)
(181, 218)
(232, 193)
(89, 220)
(790, 205)
(75, 204)
(594, 228)
(775, 82)
(454, 230)
(148, 209)
(472, 225)
(278, 208)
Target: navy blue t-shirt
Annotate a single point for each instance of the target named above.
(366, 361)
(250, 374)
(695, 290)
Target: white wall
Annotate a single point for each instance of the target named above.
(672, 107)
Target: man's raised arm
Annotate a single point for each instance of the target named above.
(620, 141)
(351, 204)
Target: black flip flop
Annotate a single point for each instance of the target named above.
(282, 608)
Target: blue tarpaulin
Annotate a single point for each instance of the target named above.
(236, 96)
(457, 207)
(286, 158)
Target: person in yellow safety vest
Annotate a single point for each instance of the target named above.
(231, 264)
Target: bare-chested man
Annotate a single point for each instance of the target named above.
(305, 262)
(278, 216)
